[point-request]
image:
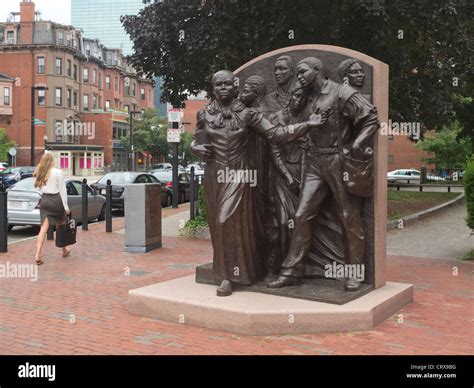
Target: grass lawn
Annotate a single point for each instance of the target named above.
(403, 203)
(469, 255)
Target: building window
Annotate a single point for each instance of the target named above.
(116, 84)
(127, 90)
(107, 104)
(6, 96)
(107, 82)
(74, 99)
(69, 98)
(100, 80)
(94, 102)
(40, 69)
(88, 49)
(134, 89)
(94, 76)
(69, 67)
(41, 97)
(59, 96)
(61, 38)
(85, 75)
(127, 108)
(58, 126)
(10, 37)
(74, 73)
(390, 159)
(86, 102)
(59, 66)
(142, 93)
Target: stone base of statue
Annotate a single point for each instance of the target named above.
(317, 289)
(183, 301)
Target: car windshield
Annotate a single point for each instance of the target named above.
(117, 178)
(164, 176)
(11, 170)
(25, 184)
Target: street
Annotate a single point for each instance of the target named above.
(22, 233)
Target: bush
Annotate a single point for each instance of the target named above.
(469, 189)
(202, 203)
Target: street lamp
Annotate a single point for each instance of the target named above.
(132, 113)
(32, 150)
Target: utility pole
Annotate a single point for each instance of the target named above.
(132, 113)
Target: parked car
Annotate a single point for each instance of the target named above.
(12, 175)
(160, 167)
(23, 203)
(3, 166)
(433, 178)
(403, 175)
(184, 183)
(118, 181)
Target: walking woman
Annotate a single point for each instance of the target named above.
(53, 205)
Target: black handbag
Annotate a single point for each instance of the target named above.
(66, 233)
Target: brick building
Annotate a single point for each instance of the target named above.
(83, 92)
(403, 153)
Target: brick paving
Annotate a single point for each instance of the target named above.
(79, 306)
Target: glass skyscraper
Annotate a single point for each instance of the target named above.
(101, 19)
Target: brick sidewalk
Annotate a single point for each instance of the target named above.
(90, 290)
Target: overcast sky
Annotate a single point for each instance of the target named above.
(58, 11)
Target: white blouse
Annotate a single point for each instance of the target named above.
(56, 184)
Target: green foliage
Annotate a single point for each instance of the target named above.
(198, 222)
(202, 203)
(449, 151)
(150, 134)
(427, 44)
(185, 147)
(469, 190)
(5, 145)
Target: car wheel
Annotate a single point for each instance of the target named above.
(102, 214)
(169, 200)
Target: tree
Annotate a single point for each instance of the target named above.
(449, 151)
(185, 147)
(5, 144)
(427, 43)
(149, 134)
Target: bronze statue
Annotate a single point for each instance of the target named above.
(351, 123)
(288, 166)
(221, 140)
(351, 73)
(284, 76)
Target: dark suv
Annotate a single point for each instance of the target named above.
(12, 175)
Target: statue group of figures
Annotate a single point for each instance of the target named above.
(310, 143)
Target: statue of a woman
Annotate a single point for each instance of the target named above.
(221, 140)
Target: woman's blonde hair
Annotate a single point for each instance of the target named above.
(43, 170)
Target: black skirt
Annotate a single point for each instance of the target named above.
(51, 206)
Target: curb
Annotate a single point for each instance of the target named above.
(412, 218)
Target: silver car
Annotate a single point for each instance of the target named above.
(23, 203)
